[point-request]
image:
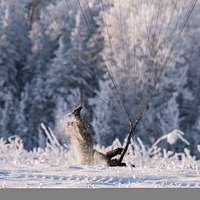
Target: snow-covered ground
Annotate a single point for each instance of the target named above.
(56, 168)
(95, 177)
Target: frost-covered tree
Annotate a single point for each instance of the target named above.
(188, 98)
(61, 73)
(144, 57)
(39, 104)
(78, 65)
(14, 47)
(88, 44)
(54, 54)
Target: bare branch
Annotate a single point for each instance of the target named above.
(131, 133)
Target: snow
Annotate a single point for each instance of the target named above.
(55, 167)
(175, 135)
(95, 177)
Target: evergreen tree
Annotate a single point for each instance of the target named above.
(78, 63)
(39, 104)
(14, 48)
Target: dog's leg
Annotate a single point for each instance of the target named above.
(114, 153)
(116, 163)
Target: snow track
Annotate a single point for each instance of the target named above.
(90, 177)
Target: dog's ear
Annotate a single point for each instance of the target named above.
(77, 111)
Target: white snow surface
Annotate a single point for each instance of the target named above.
(55, 167)
(95, 177)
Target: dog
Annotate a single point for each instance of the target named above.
(82, 143)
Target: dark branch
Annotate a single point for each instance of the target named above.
(131, 133)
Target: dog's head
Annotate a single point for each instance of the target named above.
(73, 117)
(71, 123)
